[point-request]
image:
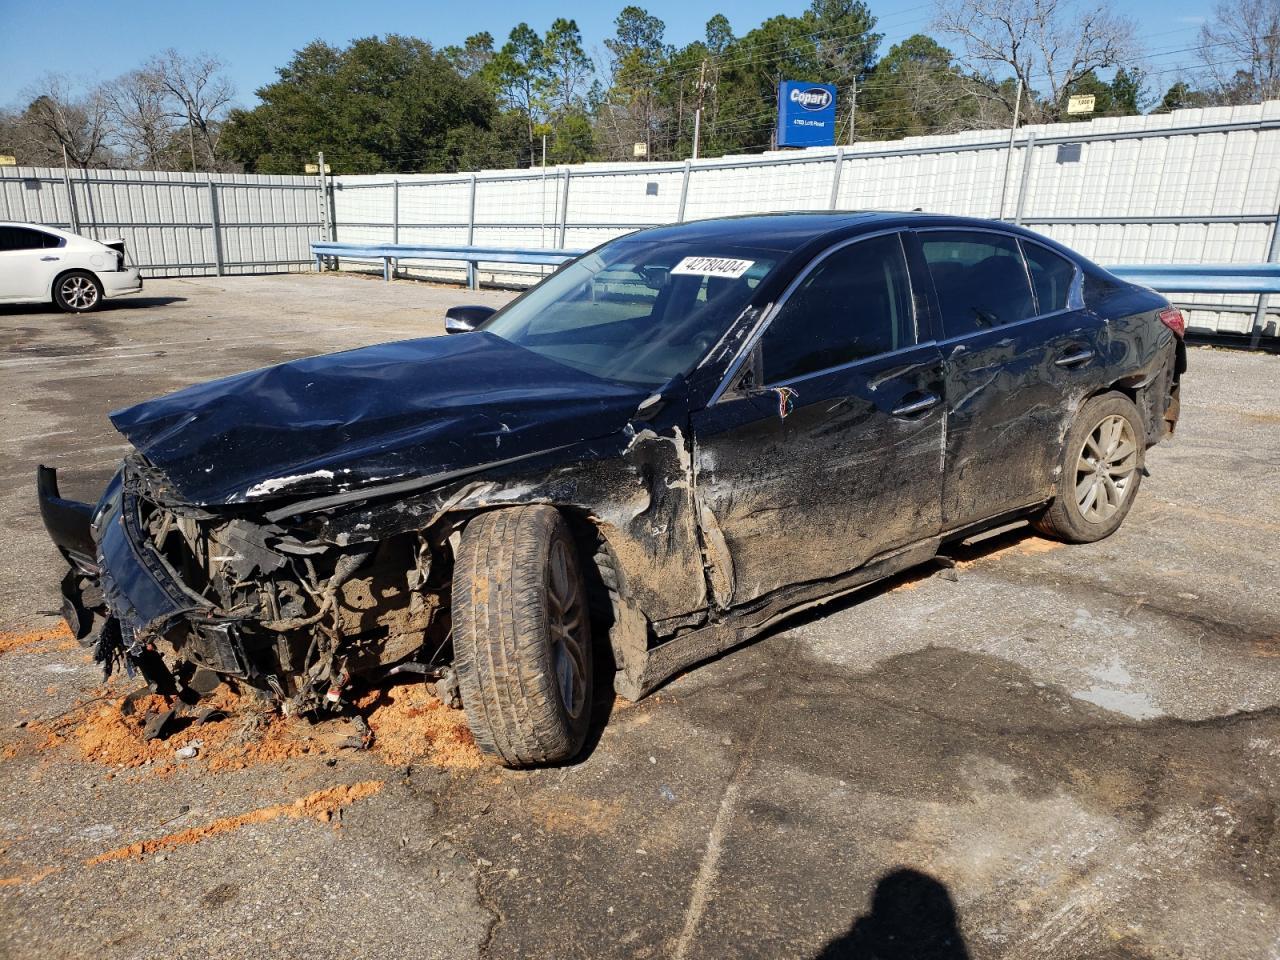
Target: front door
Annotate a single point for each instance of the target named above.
(833, 454)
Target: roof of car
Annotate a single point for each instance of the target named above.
(791, 230)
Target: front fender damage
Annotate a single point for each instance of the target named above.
(297, 601)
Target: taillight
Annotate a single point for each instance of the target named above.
(1173, 318)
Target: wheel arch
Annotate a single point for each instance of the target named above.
(65, 272)
(613, 612)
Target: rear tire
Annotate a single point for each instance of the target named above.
(522, 636)
(77, 291)
(1102, 464)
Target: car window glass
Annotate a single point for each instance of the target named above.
(20, 238)
(1051, 277)
(856, 303)
(636, 310)
(980, 280)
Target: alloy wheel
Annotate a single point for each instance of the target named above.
(79, 292)
(567, 624)
(1105, 468)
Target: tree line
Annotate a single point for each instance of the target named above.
(400, 104)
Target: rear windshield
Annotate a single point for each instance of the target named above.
(635, 311)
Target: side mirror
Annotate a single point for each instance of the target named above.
(464, 319)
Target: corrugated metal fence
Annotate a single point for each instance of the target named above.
(1193, 186)
(176, 224)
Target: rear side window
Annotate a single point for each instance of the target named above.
(980, 280)
(856, 303)
(1051, 277)
(20, 238)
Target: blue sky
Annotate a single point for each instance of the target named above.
(93, 41)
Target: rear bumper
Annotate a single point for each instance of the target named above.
(120, 282)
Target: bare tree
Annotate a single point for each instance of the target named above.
(198, 95)
(55, 121)
(142, 117)
(1240, 50)
(1047, 44)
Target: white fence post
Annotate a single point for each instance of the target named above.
(473, 279)
(1025, 179)
(1260, 315)
(214, 224)
(684, 194)
(834, 202)
(564, 209)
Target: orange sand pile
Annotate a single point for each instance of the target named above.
(1026, 547)
(410, 725)
(320, 805)
(18, 640)
(104, 734)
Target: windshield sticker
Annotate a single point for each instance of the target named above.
(712, 267)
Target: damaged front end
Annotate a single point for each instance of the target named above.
(170, 589)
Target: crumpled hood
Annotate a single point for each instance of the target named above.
(392, 411)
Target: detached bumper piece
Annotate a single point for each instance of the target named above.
(118, 585)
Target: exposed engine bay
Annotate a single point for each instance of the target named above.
(276, 611)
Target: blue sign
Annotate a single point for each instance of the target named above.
(806, 114)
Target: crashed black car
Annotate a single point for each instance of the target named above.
(671, 442)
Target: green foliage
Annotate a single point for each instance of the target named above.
(379, 105)
(1125, 95)
(395, 104)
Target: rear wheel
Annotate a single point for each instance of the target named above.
(522, 636)
(77, 292)
(1101, 471)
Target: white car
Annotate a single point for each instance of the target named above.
(39, 264)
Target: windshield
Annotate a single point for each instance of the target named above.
(636, 311)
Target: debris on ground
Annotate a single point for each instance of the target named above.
(322, 805)
(59, 636)
(147, 732)
(411, 725)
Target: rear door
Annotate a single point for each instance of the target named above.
(1012, 366)
(28, 263)
(829, 454)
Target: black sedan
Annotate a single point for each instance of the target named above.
(651, 456)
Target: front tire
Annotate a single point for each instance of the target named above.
(1103, 462)
(522, 636)
(77, 291)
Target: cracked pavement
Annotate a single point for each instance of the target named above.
(1067, 752)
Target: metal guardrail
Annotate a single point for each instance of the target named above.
(1203, 277)
(391, 253)
(1255, 278)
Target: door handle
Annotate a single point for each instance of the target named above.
(926, 402)
(50, 258)
(1074, 359)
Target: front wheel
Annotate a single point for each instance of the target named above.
(522, 636)
(77, 292)
(1102, 467)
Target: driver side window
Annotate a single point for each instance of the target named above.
(854, 304)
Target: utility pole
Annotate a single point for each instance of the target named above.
(853, 110)
(191, 137)
(1008, 157)
(697, 113)
(544, 151)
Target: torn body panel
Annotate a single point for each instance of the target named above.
(835, 481)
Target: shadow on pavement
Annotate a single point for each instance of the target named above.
(912, 918)
(121, 303)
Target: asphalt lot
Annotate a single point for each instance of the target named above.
(1066, 752)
